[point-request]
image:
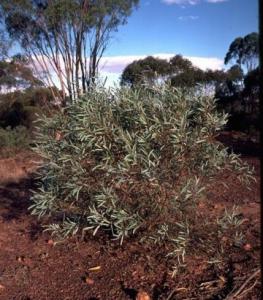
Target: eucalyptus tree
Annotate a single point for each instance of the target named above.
(146, 70)
(178, 70)
(244, 51)
(65, 39)
(16, 74)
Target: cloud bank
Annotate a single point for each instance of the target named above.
(116, 64)
(111, 67)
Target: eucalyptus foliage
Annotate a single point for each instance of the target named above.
(64, 40)
(131, 162)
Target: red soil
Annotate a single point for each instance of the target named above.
(32, 268)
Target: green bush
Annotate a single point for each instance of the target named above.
(20, 108)
(17, 138)
(132, 163)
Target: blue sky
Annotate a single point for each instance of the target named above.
(201, 30)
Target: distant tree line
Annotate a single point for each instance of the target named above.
(179, 71)
(237, 89)
(64, 40)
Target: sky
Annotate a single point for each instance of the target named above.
(200, 30)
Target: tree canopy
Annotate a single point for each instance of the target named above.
(238, 95)
(17, 74)
(144, 70)
(179, 71)
(244, 51)
(65, 38)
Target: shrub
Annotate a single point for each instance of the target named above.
(132, 163)
(17, 137)
(20, 108)
(12, 140)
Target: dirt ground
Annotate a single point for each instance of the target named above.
(32, 268)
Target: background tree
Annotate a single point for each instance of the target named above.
(244, 51)
(20, 107)
(239, 94)
(179, 64)
(183, 73)
(252, 82)
(179, 71)
(146, 70)
(16, 74)
(65, 39)
(236, 89)
(229, 83)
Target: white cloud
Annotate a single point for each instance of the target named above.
(116, 64)
(204, 63)
(181, 2)
(109, 79)
(111, 67)
(186, 18)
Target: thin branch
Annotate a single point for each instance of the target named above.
(241, 290)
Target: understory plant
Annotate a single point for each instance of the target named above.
(14, 140)
(132, 162)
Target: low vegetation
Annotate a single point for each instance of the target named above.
(135, 163)
(13, 140)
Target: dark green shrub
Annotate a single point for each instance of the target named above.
(132, 162)
(21, 107)
(11, 114)
(17, 138)
(241, 103)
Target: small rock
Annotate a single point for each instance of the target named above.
(247, 247)
(143, 296)
(50, 242)
(201, 204)
(89, 281)
(20, 259)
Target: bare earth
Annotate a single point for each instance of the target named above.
(32, 268)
